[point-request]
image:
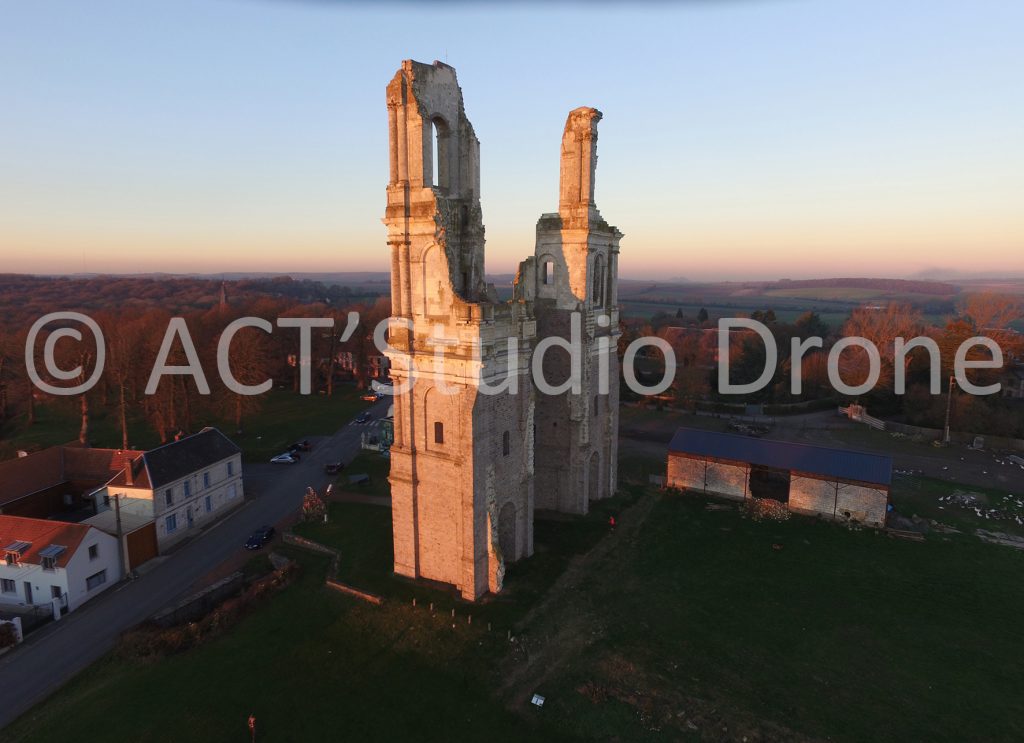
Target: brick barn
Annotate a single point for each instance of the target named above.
(836, 483)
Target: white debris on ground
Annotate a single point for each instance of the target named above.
(1007, 508)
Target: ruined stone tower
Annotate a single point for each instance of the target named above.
(468, 419)
(577, 261)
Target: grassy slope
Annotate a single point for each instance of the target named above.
(846, 635)
(840, 634)
(311, 665)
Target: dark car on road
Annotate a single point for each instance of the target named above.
(363, 418)
(303, 445)
(333, 468)
(260, 537)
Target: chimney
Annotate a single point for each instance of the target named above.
(129, 473)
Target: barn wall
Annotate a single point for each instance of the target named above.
(684, 472)
(811, 495)
(807, 495)
(855, 502)
(864, 504)
(720, 478)
(729, 480)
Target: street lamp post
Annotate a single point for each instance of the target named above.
(949, 408)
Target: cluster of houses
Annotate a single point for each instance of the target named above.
(75, 520)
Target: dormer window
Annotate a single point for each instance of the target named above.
(15, 550)
(50, 555)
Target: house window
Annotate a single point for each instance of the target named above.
(168, 497)
(95, 580)
(438, 432)
(549, 272)
(8, 586)
(231, 469)
(505, 443)
(206, 479)
(49, 563)
(12, 558)
(56, 592)
(171, 523)
(94, 551)
(209, 504)
(187, 487)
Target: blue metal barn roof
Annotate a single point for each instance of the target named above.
(841, 464)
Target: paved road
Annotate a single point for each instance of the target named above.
(53, 655)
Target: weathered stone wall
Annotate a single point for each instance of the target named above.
(685, 473)
(811, 495)
(716, 478)
(730, 480)
(861, 503)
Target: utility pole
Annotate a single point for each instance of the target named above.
(120, 536)
(949, 408)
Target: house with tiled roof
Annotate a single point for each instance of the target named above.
(54, 563)
(57, 482)
(181, 487)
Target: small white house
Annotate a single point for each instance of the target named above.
(183, 486)
(53, 563)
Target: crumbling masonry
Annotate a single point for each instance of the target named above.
(468, 467)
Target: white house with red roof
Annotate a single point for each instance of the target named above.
(47, 563)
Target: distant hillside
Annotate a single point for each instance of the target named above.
(881, 286)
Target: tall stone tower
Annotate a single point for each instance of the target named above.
(462, 460)
(576, 266)
(475, 440)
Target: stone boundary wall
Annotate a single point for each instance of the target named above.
(194, 606)
(331, 582)
(347, 589)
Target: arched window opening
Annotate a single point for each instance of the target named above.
(439, 155)
(598, 279)
(549, 273)
(435, 159)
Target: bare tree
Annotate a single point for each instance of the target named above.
(882, 326)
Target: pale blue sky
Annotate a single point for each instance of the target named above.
(740, 139)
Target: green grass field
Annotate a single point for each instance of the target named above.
(282, 418)
(683, 621)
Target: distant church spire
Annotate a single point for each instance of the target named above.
(223, 295)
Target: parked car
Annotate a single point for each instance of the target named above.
(303, 445)
(260, 537)
(363, 418)
(333, 468)
(287, 458)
